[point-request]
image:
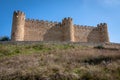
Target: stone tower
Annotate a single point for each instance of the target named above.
(68, 29)
(18, 26)
(103, 32)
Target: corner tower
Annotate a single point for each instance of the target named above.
(18, 26)
(103, 32)
(68, 29)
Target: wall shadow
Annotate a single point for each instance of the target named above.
(55, 33)
(94, 36)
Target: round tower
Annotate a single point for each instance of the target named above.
(68, 32)
(18, 26)
(103, 32)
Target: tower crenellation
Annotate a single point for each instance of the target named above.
(102, 25)
(67, 20)
(19, 13)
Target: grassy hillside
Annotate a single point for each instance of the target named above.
(58, 62)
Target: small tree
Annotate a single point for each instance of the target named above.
(4, 38)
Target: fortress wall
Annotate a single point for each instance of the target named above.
(36, 30)
(39, 30)
(86, 33)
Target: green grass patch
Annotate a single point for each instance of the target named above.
(10, 50)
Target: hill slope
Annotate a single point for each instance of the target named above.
(47, 61)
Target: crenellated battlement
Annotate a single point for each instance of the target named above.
(37, 20)
(43, 23)
(41, 30)
(84, 27)
(20, 13)
(101, 24)
(67, 20)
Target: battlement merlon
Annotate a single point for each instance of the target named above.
(19, 13)
(67, 20)
(102, 25)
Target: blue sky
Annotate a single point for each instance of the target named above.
(83, 12)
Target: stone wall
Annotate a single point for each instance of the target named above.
(42, 31)
(86, 33)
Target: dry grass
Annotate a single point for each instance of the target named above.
(58, 62)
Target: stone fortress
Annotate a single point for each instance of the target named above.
(39, 30)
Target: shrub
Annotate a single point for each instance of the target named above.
(4, 38)
(99, 59)
(99, 47)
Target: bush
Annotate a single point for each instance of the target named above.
(99, 47)
(4, 38)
